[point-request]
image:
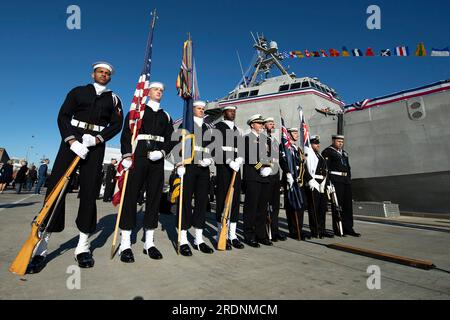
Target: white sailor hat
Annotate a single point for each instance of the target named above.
(269, 119)
(229, 108)
(156, 84)
(292, 129)
(337, 136)
(199, 103)
(315, 139)
(256, 118)
(103, 64)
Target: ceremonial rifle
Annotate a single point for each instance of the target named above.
(221, 244)
(38, 227)
(331, 192)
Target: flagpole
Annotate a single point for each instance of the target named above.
(133, 146)
(180, 203)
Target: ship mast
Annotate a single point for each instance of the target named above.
(268, 56)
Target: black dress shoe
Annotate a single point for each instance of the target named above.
(85, 260)
(266, 242)
(228, 245)
(293, 236)
(203, 247)
(237, 244)
(305, 235)
(185, 250)
(352, 233)
(127, 256)
(328, 235)
(153, 253)
(36, 265)
(252, 243)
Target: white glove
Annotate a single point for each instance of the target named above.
(126, 163)
(313, 184)
(289, 179)
(89, 140)
(155, 155)
(234, 165)
(265, 172)
(79, 149)
(239, 160)
(322, 186)
(205, 162)
(181, 171)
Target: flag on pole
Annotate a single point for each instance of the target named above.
(357, 53)
(345, 52)
(420, 50)
(137, 108)
(295, 196)
(369, 52)
(402, 51)
(385, 53)
(334, 53)
(188, 91)
(310, 155)
(444, 52)
(323, 53)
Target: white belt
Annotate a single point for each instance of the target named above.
(150, 137)
(85, 125)
(316, 176)
(338, 173)
(201, 149)
(230, 149)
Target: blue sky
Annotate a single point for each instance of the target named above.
(41, 60)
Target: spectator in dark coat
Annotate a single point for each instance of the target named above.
(6, 175)
(42, 175)
(21, 176)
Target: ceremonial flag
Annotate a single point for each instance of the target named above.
(137, 109)
(297, 54)
(188, 91)
(295, 197)
(402, 51)
(311, 157)
(334, 53)
(323, 53)
(345, 52)
(369, 52)
(385, 53)
(357, 53)
(307, 53)
(444, 52)
(420, 51)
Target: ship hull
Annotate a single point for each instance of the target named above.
(425, 192)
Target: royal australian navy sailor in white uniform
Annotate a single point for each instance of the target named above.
(196, 184)
(154, 142)
(89, 116)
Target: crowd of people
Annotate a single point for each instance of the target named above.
(24, 179)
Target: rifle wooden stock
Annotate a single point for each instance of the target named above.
(221, 244)
(20, 263)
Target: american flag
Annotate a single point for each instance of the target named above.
(137, 108)
(310, 155)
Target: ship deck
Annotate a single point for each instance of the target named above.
(288, 270)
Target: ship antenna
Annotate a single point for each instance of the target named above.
(242, 70)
